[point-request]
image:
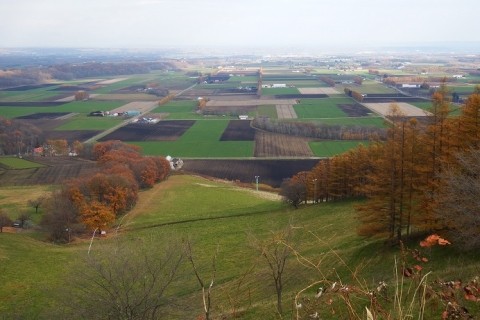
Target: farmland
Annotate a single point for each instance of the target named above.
(289, 94)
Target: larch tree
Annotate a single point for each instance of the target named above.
(390, 184)
(437, 145)
(458, 201)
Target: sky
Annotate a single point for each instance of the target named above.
(224, 23)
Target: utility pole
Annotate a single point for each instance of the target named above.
(256, 181)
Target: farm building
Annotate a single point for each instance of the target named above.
(279, 85)
(131, 113)
(408, 85)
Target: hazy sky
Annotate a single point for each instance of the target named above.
(159, 23)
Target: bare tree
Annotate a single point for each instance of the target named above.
(36, 203)
(206, 290)
(293, 191)
(275, 251)
(124, 280)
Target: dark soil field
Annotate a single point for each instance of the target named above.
(354, 110)
(281, 145)
(58, 170)
(70, 135)
(161, 131)
(238, 130)
(44, 115)
(271, 172)
(33, 104)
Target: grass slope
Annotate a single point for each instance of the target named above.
(217, 217)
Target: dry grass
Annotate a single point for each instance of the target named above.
(405, 108)
(318, 91)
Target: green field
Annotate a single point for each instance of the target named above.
(75, 106)
(321, 108)
(332, 148)
(218, 217)
(279, 91)
(202, 140)
(17, 163)
(179, 110)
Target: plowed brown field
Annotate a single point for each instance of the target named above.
(280, 145)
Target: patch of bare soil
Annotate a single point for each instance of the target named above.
(269, 144)
(168, 130)
(354, 110)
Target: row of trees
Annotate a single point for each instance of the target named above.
(318, 131)
(328, 80)
(69, 71)
(411, 180)
(354, 94)
(94, 202)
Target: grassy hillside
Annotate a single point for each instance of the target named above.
(219, 217)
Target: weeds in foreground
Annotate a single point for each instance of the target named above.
(410, 295)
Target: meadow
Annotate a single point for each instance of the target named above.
(321, 108)
(224, 222)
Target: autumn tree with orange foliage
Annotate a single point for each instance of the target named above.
(103, 196)
(96, 215)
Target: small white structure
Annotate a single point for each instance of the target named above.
(243, 117)
(175, 163)
(407, 85)
(279, 85)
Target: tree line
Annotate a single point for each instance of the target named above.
(69, 71)
(317, 130)
(92, 203)
(414, 181)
